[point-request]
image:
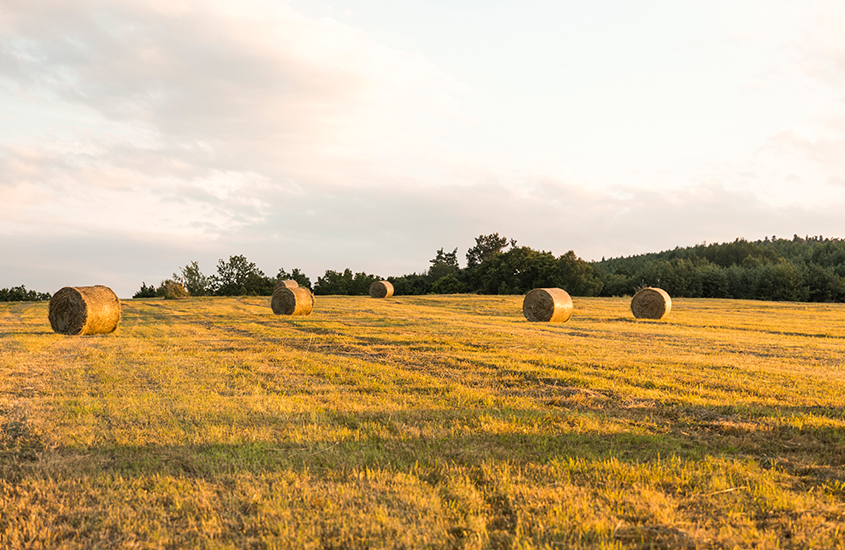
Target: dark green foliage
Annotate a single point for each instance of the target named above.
(448, 284)
(21, 294)
(168, 288)
(491, 270)
(781, 281)
(240, 277)
(195, 282)
(235, 277)
(823, 284)
(678, 277)
(735, 253)
(829, 254)
(444, 263)
(797, 269)
(486, 247)
(578, 277)
(145, 291)
(411, 285)
(521, 269)
(444, 276)
(619, 284)
(715, 281)
(515, 272)
(345, 283)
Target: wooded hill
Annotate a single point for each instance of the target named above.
(798, 269)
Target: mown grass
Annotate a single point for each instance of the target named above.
(414, 422)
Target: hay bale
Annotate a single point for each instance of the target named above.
(381, 289)
(286, 283)
(84, 310)
(174, 291)
(651, 303)
(547, 305)
(292, 301)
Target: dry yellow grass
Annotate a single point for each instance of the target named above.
(425, 421)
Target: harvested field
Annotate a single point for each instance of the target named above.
(430, 421)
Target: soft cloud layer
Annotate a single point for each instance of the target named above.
(138, 135)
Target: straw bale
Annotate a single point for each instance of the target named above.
(84, 310)
(287, 283)
(651, 303)
(381, 289)
(292, 301)
(175, 291)
(547, 305)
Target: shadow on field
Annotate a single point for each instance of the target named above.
(774, 435)
(18, 333)
(489, 458)
(640, 434)
(491, 471)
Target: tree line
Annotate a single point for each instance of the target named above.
(808, 269)
(495, 265)
(236, 276)
(498, 265)
(21, 294)
(797, 269)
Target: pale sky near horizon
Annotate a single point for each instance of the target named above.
(138, 135)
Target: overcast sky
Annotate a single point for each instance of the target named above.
(138, 135)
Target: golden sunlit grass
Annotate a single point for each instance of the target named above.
(425, 422)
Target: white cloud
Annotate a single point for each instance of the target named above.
(212, 106)
(169, 129)
(820, 45)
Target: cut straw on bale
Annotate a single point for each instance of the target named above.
(287, 283)
(292, 301)
(547, 305)
(381, 289)
(84, 310)
(175, 291)
(651, 303)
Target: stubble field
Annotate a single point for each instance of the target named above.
(414, 422)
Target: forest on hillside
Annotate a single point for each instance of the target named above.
(809, 269)
(798, 269)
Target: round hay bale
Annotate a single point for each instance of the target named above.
(287, 283)
(547, 305)
(381, 289)
(651, 303)
(84, 310)
(292, 301)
